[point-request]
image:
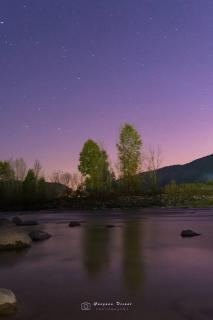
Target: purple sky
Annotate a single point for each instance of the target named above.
(77, 69)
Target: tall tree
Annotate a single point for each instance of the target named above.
(153, 163)
(76, 181)
(29, 187)
(56, 177)
(7, 187)
(94, 166)
(20, 168)
(65, 179)
(37, 168)
(129, 153)
(6, 171)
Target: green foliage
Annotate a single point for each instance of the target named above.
(6, 171)
(94, 167)
(189, 194)
(129, 153)
(89, 158)
(32, 192)
(98, 184)
(34, 189)
(29, 187)
(172, 193)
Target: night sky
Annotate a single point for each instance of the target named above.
(77, 69)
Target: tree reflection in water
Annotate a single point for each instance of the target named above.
(132, 250)
(96, 248)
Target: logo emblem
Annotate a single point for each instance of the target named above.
(86, 306)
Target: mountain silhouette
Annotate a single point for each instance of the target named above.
(199, 170)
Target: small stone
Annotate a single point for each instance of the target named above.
(19, 222)
(189, 233)
(74, 224)
(37, 235)
(8, 302)
(29, 223)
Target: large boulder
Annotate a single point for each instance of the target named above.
(11, 238)
(8, 302)
(37, 235)
(189, 233)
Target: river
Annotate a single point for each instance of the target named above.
(139, 269)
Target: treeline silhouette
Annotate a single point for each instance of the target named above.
(22, 188)
(96, 178)
(134, 183)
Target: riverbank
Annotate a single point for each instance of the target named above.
(118, 202)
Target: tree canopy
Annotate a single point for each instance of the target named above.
(94, 166)
(129, 154)
(6, 171)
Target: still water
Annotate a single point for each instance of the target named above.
(142, 262)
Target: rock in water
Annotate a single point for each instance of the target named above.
(74, 224)
(189, 233)
(8, 302)
(29, 223)
(19, 222)
(37, 235)
(11, 239)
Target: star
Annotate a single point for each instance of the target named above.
(64, 49)
(142, 65)
(37, 43)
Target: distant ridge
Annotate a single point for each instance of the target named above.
(199, 170)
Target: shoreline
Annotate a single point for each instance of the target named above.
(115, 209)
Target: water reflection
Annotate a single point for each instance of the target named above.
(132, 251)
(12, 258)
(99, 248)
(144, 261)
(96, 241)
